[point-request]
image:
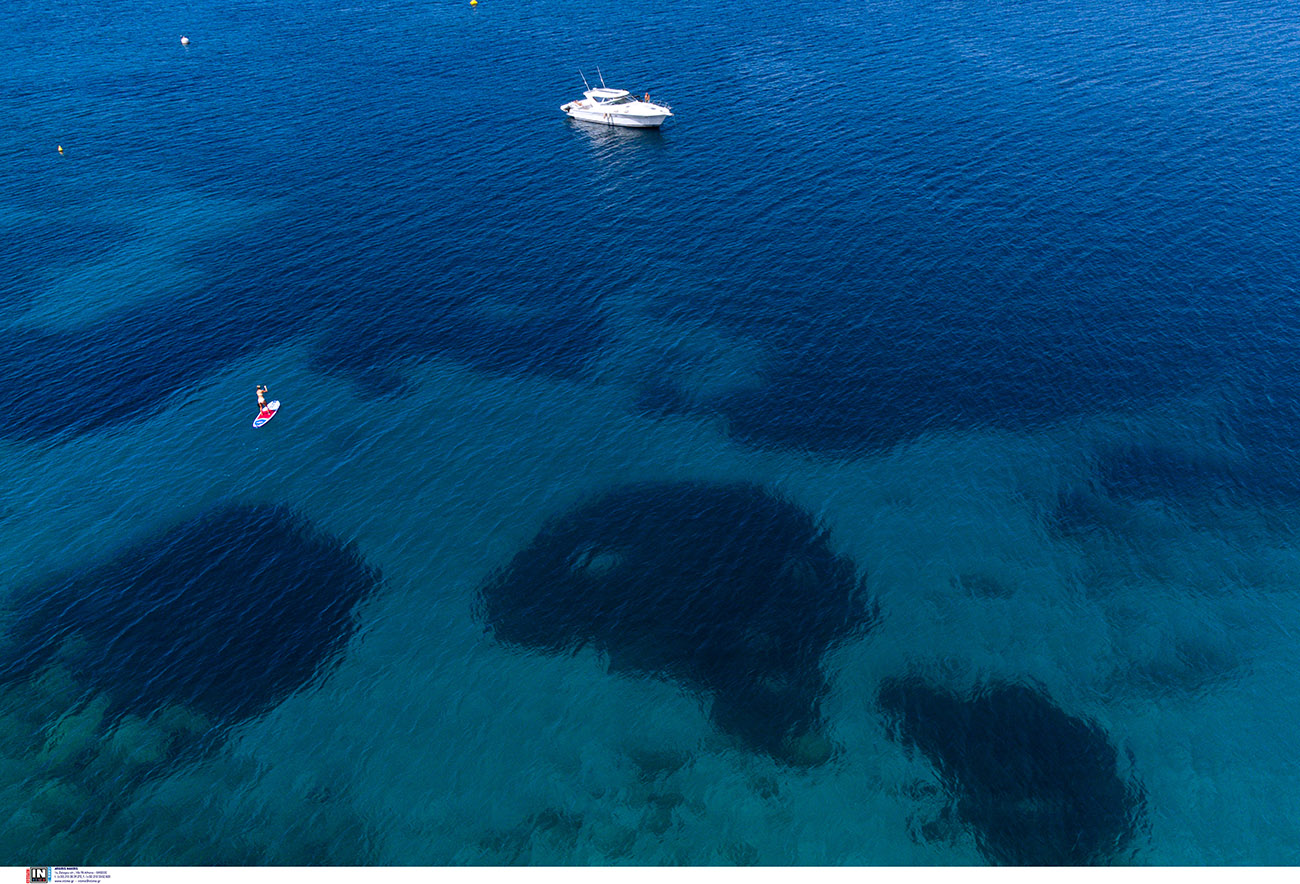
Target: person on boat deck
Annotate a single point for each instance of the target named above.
(261, 397)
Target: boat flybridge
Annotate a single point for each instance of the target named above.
(616, 107)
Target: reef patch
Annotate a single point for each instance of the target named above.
(723, 587)
(226, 615)
(1038, 787)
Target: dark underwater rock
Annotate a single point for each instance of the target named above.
(226, 614)
(368, 345)
(1200, 482)
(91, 375)
(1164, 471)
(724, 587)
(922, 360)
(1037, 786)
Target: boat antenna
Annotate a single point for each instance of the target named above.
(584, 80)
(602, 78)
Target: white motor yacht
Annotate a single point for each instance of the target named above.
(617, 107)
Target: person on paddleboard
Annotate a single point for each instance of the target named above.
(261, 398)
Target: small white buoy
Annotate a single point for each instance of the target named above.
(185, 41)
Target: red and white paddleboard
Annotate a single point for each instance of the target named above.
(266, 413)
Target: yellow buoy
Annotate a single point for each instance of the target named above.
(473, 2)
(60, 148)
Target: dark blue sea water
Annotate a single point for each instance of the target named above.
(888, 462)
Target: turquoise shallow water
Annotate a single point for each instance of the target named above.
(984, 313)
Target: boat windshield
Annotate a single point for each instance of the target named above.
(622, 99)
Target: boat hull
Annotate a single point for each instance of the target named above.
(629, 121)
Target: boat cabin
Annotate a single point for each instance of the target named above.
(611, 96)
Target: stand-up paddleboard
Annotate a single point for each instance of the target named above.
(266, 413)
